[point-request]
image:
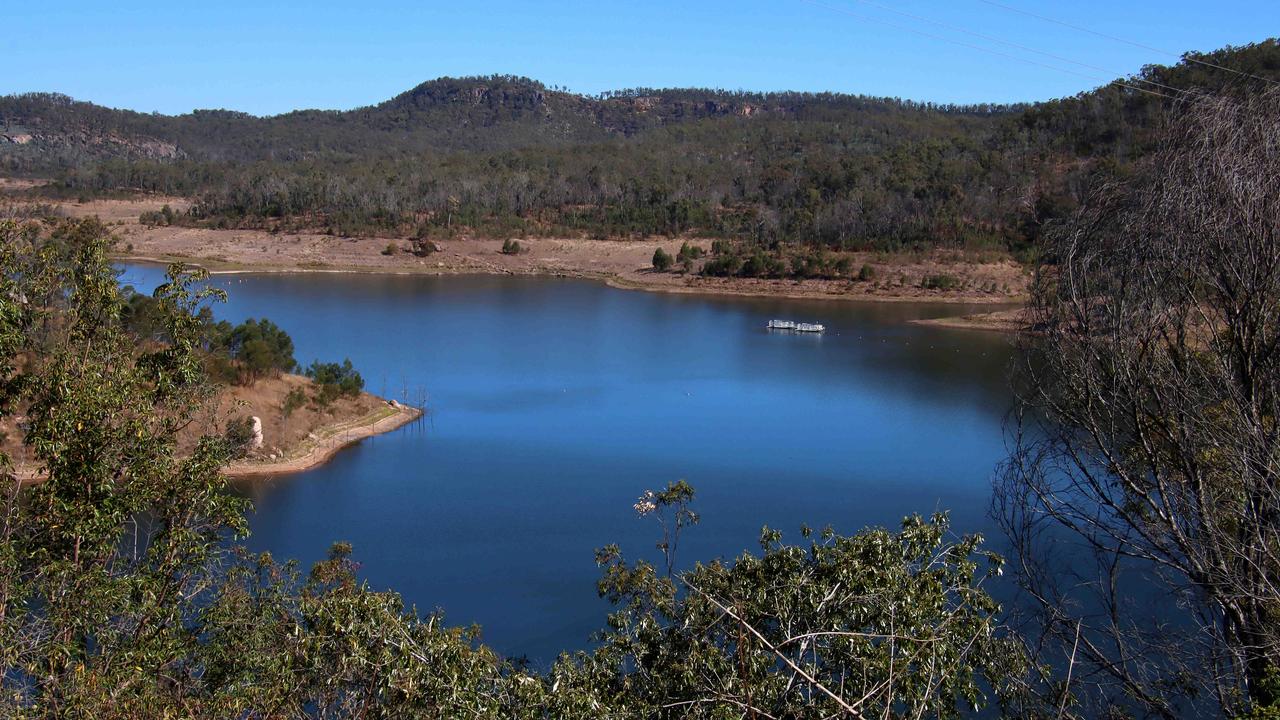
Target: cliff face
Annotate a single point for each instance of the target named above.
(88, 142)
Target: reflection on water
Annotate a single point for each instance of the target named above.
(554, 403)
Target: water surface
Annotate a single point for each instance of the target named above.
(554, 403)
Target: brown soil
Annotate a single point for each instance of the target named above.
(1014, 320)
(18, 184)
(623, 263)
(308, 437)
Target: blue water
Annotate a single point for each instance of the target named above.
(554, 403)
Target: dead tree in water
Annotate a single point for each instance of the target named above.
(1149, 426)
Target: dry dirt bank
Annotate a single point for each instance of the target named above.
(1014, 320)
(622, 263)
(304, 438)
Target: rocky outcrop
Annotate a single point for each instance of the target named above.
(255, 442)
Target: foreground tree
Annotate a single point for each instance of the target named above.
(120, 595)
(1149, 448)
(880, 624)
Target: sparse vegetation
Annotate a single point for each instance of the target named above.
(940, 281)
(296, 398)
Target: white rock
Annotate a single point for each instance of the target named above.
(256, 442)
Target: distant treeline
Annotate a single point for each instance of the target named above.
(507, 157)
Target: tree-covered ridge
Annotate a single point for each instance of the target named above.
(506, 156)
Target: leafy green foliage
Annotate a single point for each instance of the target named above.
(163, 217)
(334, 380)
(294, 399)
(239, 435)
(662, 260)
(260, 346)
(878, 624)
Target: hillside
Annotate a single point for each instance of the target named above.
(500, 157)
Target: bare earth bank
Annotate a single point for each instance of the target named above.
(623, 263)
(300, 440)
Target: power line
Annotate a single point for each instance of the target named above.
(1113, 38)
(1019, 46)
(979, 48)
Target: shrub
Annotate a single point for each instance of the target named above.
(762, 265)
(726, 266)
(334, 380)
(164, 217)
(261, 347)
(662, 260)
(239, 435)
(688, 252)
(391, 249)
(866, 274)
(294, 400)
(941, 281)
(511, 247)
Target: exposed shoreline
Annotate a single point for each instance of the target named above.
(1013, 320)
(328, 442)
(1003, 320)
(934, 276)
(692, 284)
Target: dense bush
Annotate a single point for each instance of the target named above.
(260, 346)
(662, 260)
(334, 380)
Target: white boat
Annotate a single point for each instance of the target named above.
(793, 325)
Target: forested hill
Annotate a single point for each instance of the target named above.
(444, 115)
(507, 156)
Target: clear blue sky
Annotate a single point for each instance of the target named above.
(268, 57)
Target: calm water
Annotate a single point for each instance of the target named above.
(554, 403)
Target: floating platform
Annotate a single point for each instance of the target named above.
(796, 326)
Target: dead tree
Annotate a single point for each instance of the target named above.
(1148, 432)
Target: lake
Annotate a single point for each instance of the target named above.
(552, 404)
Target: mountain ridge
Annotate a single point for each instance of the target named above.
(505, 156)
